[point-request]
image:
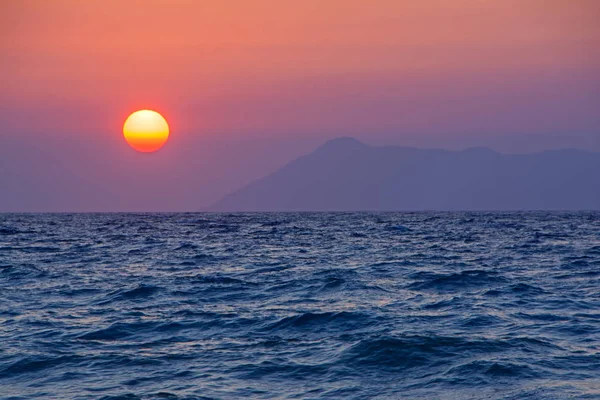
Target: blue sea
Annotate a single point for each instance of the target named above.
(300, 306)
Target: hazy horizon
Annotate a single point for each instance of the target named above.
(195, 181)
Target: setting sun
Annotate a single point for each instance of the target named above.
(146, 131)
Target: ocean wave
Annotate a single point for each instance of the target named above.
(455, 281)
(494, 370)
(141, 291)
(322, 321)
(307, 305)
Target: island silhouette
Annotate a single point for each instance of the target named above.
(345, 174)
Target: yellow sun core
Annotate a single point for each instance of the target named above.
(146, 131)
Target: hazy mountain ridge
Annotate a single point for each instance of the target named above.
(347, 175)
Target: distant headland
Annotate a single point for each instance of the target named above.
(347, 175)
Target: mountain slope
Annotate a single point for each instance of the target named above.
(347, 175)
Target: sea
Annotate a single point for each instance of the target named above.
(423, 305)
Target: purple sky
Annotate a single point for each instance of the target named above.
(250, 85)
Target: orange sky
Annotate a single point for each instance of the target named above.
(245, 65)
(248, 85)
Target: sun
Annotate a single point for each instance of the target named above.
(146, 131)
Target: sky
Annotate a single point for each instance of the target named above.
(247, 85)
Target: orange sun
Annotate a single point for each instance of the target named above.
(146, 131)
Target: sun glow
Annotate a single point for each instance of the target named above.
(146, 131)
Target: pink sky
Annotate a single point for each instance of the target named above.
(268, 66)
(421, 72)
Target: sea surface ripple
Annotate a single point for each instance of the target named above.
(300, 305)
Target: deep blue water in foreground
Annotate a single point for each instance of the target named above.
(326, 305)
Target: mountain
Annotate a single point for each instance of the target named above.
(347, 175)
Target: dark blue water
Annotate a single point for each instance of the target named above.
(186, 306)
